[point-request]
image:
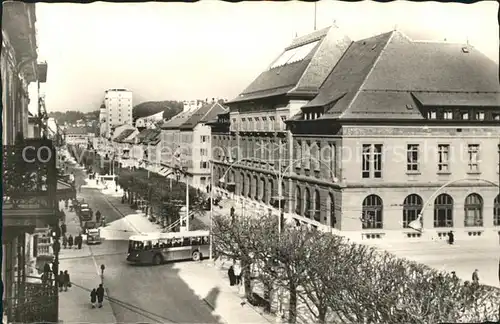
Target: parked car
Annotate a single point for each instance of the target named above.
(86, 214)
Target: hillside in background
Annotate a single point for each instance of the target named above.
(170, 108)
(72, 116)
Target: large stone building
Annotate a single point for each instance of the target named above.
(186, 143)
(385, 129)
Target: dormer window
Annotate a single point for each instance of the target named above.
(496, 116)
(464, 115)
(448, 115)
(479, 115)
(431, 114)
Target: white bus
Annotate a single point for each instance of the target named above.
(156, 248)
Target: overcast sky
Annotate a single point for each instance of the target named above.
(176, 51)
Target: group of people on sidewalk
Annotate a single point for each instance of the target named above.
(61, 280)
(69, 241)
(97, 295)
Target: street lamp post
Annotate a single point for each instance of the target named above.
(211, 207)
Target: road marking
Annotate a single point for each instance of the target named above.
(122, 215)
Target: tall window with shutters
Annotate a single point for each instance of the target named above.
(443, 158)
(473, 155)
(372, 161)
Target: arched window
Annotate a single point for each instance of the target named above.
(412, 206)
(308, 212)
(443, 211)
(473, 210)
(496, 211)
(371, 216)
(249, 186)
(262, 190)
(270, 191)
(255, 187)
(243, 184)
(331, 207)
(317, 206)
(298, 201)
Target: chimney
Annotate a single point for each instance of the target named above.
(213, 100)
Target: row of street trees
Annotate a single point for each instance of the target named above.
(164, 200)
(341, 282)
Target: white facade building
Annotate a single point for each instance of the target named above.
(149, 121)
(117, 110)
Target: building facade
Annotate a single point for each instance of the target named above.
(149, 121)
(186, 143)
(381, 143)
(117, 110)
(22, 290)
(79, 135)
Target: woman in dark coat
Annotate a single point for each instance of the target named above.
(70, 241)
(232, 277)
(100, 295)
(60, 280)
(66, 280)
(93, 297)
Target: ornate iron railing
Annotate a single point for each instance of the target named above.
(38, 305)
(29, 174)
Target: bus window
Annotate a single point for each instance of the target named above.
(147, 245)
(206, 239)
(186, 241)
(166, 243)
(135, 245)
(196, 240)
(156, 244)
(176, 242)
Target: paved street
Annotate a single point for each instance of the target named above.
(183, 292)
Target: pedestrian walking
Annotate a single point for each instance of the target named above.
(63, 229)
(208, 188)
(230, 274)
(100, 295)
(70, 241)
(46, 270)
(232, 212)
(44, 278)
(80, 241)
(66, 280)
(60, 281)
(65, 241)
(97, 216)
(93, 297)
(475, 277)
(451, 238)
(237, 273)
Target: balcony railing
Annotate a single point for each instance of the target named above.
(29, 175)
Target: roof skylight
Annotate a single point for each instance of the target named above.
(294, 55)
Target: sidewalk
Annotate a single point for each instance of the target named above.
(303, 313)
(74, 304)
(211, 286)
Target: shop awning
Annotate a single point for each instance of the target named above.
(65, 191)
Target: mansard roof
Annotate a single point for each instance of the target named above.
(389, 74)
(301, 68)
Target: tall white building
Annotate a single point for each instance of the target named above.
(117, 110)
